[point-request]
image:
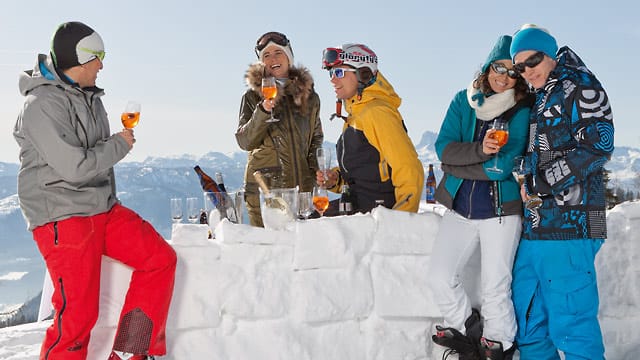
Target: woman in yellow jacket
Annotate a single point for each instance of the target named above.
(376, 157)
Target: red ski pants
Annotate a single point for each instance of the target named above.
(73, 249)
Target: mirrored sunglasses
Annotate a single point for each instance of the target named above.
(97, 53)
(331, 57)
(531, 62)
(501, 70)
(339, 72)
(273, 36)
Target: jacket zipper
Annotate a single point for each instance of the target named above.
(473, 188)
(55, 233)
(344, 150)
(296, 168)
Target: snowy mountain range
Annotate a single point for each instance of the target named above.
(147, 186)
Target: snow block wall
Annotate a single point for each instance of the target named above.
(332, 288)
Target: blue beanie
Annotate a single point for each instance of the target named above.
(500, 51)
(534, 38)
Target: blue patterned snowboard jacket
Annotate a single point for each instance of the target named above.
(570, 140)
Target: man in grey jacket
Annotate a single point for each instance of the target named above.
(66, 187)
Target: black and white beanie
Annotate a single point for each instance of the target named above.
(75, 43)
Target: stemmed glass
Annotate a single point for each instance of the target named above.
(176, 210)
(131, 115)
(193, 210)
(320, 199)
(269, 91)
(519, 171)
(501, 134)
(323, 155)
(305, 204)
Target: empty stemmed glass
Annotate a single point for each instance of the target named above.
(270, 91)
(193, 209)
(305, 204)
(501, 134)
(519, 171)
(176, 210)
(323, 155)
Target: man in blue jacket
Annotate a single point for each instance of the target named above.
(555, 293)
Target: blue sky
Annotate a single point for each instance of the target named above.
(185, 60)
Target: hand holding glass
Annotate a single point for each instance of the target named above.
(501, 134)
(269, 92)
(320, 199)
(520, 170)
(131, 115)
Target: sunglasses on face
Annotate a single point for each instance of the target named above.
(97, 53)
(274, 36)
(531, 62)
(501, 70)
(339, 72)
(331, 57)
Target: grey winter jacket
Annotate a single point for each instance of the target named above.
(67, 153)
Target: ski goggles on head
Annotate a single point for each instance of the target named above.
(339, 72)
(331, 57)
(500, 69)
(97, 53)
(273, 36)
(531, 62)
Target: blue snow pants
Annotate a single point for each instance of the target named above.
(555, 296)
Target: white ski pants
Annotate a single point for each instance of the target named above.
(458, 238)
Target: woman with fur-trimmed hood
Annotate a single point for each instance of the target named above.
(284, 150)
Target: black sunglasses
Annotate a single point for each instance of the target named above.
(531, 62)
(501, 70)
(273, 36)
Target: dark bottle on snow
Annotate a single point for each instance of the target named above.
(431, 186)
(345, 204)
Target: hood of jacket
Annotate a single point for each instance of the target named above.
(44, 73)
(381, 89)
(569, 60)
(299, 85)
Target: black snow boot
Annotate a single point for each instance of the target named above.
(492, 350)
(474, 327)
(465, 346)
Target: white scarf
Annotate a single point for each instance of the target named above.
(493, 105)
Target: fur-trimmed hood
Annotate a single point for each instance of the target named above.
(299, 86)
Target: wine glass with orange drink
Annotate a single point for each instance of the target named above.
(269, 91)
(320, 199)
(131, 115)
(501, 134)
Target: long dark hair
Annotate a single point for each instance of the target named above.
(482, 83)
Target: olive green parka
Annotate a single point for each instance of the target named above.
(283, 151)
